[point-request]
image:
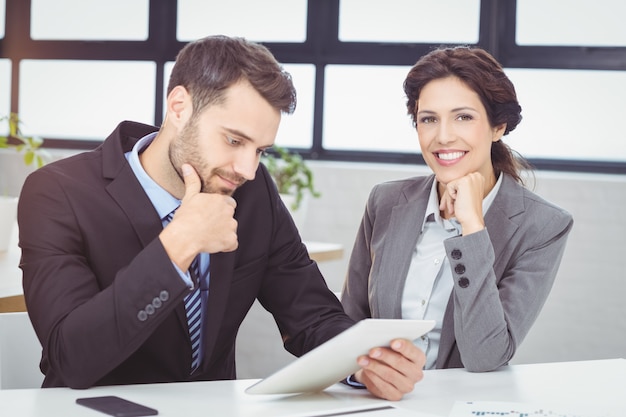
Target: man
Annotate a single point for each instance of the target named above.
(117, 243)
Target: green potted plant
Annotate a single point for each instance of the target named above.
(291, 174)
(29, 147)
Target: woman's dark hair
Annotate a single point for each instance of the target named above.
(480, 71)
(209, 66)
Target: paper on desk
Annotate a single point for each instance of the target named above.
(511, 409)
(381, 410)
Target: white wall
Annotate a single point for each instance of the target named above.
(584, 317)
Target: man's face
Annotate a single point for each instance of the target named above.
(224, 142)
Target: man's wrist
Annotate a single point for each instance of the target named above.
(351, 381)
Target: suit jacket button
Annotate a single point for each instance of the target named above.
(150, 309)
(459, 269)
(164, 295)
(156, 302)
(142, 315)
(456, 254)
(464, 282)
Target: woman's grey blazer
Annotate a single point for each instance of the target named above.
(503, 274)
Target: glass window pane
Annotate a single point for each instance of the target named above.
(571, 23)
(365, 109)
(84, 99)
(5, 93)
(296, 130)
(2, 17)
(419, 21)
(268, 20)
(167, 71)
(570, 114)
(90, 19)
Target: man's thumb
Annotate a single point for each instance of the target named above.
(191, 179)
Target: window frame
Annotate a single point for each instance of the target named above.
(321, 47)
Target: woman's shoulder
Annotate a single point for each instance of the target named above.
(533, 205)
(407, 186)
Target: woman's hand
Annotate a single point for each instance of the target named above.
(463, 199)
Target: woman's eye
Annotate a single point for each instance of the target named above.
(262, 152)
(427, 119)
(464, 117)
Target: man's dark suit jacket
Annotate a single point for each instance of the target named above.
(107, 303)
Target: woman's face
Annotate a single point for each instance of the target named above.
(453, 130)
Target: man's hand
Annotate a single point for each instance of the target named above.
(391, 372)
(204, 222)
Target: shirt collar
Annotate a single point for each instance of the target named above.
(433, 213)
(163, 202)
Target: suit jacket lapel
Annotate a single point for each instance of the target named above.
(404, 228)
(508, 203)
(126, 190)
(124, 187)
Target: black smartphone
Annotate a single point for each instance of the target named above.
(116, 406)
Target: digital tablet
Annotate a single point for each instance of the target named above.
(334, 360)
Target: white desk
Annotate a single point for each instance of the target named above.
(324, 251)
(588, 388)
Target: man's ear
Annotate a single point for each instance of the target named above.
(179, 106)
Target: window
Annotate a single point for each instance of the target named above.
(84, 99)
(364, 109)
(81, 66)
(5, 85)
(2, 17)
(296, 130)
(409, 21)
(267, 20)
(590, 23)
(570, 114)
(89, 19)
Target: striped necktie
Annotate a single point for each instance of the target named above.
(193, 306)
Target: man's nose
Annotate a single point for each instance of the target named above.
(246, 165)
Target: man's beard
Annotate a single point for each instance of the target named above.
(185, 149)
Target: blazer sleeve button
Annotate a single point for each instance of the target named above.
(164, 295)
(150, 309)
(464, 282)
(156, 302)
(456, 254)
(459, 269)
(142, 315)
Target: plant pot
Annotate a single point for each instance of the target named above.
(299, 215)
(8, 217)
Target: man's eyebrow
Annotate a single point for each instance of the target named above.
(238, 133)
(247, 138)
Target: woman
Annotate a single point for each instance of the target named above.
(468, 246)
